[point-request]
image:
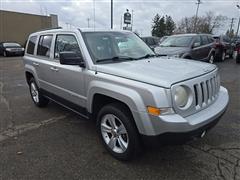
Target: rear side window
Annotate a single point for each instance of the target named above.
(44, 45)
(31, 44)
(66, 42)
(210, 39)
(204, 40)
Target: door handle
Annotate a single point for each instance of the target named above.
(54, 69)
(35, 64)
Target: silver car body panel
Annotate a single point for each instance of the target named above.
(138, 84)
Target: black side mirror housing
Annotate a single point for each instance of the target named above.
(71, 58)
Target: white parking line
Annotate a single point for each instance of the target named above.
(20, 129)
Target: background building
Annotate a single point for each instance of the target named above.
(15, 26)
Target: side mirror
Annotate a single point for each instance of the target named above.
(196, 44)
(71, 58)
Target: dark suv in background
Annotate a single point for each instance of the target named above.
(151, 41)
(224, 47)
(190, 46)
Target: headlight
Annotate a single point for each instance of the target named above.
(8, 49)
(22, 49)
(181, 96)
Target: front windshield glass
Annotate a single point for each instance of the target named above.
(115, 46)
(11, 45)
(177, 41)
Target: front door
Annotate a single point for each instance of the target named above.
(69, 80)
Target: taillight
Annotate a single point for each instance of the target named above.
(238, 50)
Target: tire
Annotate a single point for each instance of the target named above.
(223, 56)
(5, 54)
(211, 59)
(37, 97)
(118, 132)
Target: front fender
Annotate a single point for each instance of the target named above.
(126, 95)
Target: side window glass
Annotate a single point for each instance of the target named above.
(210, 39)
(204, 40)
(197, 41)
(44, 45)
(66, 43)
(31, 44)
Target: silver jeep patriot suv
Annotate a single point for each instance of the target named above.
(114, 78)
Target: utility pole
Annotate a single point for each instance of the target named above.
(121, 23)
(132, 20)
(94, 14)
(111, 14)
(88, 20)
(231, 26)
(196, 16)
(238, 21)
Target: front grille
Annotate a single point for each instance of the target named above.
(206, 91)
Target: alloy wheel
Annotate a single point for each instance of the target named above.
(114, 133)
(34, 93)
(211, 60)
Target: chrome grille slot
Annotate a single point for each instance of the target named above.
(202, 92)
(206, 91)
(196, 94)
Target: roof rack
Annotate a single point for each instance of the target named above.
(49, 29)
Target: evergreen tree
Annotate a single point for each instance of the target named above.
(162, 26)
(170, 25)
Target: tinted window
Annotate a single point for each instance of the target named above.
(66, 43)
(31, 44)
(150, 41)
(204, 40)
(44, 45)
(210, 39)
(177, 41)
(11, 45)
(226, 39)
(197, 40)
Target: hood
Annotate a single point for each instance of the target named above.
(171, 50)
(157, 71)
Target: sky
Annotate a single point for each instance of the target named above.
(76, 12)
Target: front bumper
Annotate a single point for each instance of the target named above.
(177, 124)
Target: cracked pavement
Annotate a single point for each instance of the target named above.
(54, 143)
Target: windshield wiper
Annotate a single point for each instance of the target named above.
(147, 56)
(116, 59)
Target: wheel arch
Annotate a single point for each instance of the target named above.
(104, 94)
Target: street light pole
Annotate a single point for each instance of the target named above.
(88, 19)
(238, 22)
(111, 14)
(195, 24)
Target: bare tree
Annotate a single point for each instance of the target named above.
(204, 24)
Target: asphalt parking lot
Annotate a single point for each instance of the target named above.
(54, 143)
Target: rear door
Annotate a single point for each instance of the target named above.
(206, 46)
(43, 60)
(197, 50)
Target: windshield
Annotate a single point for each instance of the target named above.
(115, 46)
(11, 45)
(177, 41)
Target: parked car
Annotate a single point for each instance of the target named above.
(162, 39)
(151, 41)
(11, 48)
(236, 54)
(113, 77)
(188, 46)
(223, 47)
